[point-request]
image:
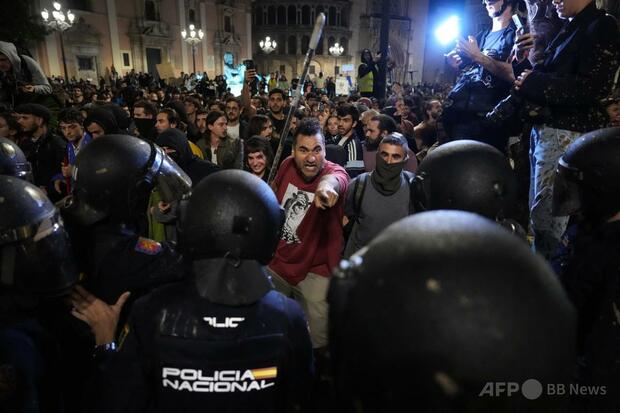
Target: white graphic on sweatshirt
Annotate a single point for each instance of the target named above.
(296, 204)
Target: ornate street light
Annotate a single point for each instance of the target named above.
(268, 45)
(193, 37)
(336, 50)
(59, 22)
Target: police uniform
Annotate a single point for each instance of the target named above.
(591, 278)
(224, 338)
(184, 353)
(35, 262)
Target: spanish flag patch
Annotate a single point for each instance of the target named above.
(266, 373)
(148, 246)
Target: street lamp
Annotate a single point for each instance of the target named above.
(194, 37)
(336, 50)
(268, 45)
(59, 22)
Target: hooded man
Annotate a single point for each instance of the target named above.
(19, 75)
(376, 199)
(176, 145)
(101, 122)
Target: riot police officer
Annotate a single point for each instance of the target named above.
(113, 180)
(469, 176)
(114, 176)
(459, 307)
(224, 340)
(587, 187)
(35, 262)
(13, 162)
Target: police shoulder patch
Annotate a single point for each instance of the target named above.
(148, 246)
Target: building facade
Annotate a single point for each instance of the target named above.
(142, 34)
(354, 24)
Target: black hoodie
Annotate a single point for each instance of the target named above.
(196, 168)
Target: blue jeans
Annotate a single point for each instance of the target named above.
(547, 145)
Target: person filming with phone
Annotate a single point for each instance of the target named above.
(486, 77)
(569, 86)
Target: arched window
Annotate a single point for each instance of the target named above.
(292, 45)
(228, 24)
(344, 42)
(271, 15)
(330, 42)
(305, 43)
(281, 44)
(292, 14)
(305, 15)
(332, 16)
(192, 16)
(150, 11)
(281, 15)
(258, 16)
(344, 22)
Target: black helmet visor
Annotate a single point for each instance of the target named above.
(38, 258)
(172, 182)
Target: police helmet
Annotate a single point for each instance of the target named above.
(439, 308)
(13, 162)
(232, 214)
(35, 256)
(587, 179)
(115, 174)
(469, 176)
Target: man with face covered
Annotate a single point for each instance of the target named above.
(144, 116)
(376, 199)
(378, 128)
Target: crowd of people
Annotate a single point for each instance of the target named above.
(161, 217)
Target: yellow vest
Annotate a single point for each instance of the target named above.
(365, 83)
(196, 150)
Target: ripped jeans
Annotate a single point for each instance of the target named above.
(547, 145)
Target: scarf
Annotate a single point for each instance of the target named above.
(386, 178)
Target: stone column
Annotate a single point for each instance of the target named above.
(113, 27)
(184, 45)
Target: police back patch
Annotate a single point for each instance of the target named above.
(148, 246)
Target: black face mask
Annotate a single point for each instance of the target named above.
(146, 128)
(386, 178)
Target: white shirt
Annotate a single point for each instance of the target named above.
(233, 131)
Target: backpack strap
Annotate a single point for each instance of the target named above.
(358, 193)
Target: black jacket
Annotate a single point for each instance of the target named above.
(577, 72)
(591, 277)
(183, 353)
(45, 156)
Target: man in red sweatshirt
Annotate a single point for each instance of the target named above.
(310, 189)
